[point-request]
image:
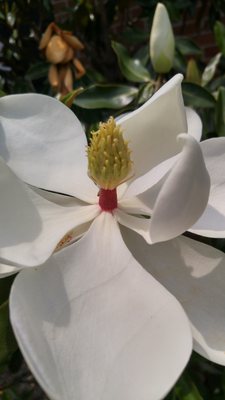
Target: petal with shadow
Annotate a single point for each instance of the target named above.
(195, 274)
(101, 326)
(212, 221)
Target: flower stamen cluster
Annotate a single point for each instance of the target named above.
(109, 162)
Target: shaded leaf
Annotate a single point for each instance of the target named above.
(219, 31)
(187, 47)
(5, 286)
(131, 68)
(37, 71)
(7, 340)
(2, 93)
(186, 389)
(106, 96)
(197, 96)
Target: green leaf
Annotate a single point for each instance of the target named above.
(69, 98)
(179, 62)
(106, 96)
(197, 96)
(145, 93)
(37, 71)
(220, 113)
(131, 68)
(143, 54)
(210, 69)
(187, 47)
(219, 31)
(7, 340)
(186, 389)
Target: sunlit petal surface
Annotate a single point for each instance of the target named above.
(44, 143)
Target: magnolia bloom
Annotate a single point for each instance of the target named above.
(112, 315)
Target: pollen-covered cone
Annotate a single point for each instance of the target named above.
(109, 162)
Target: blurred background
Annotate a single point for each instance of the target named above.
(98, 58)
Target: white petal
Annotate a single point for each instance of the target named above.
(7, 270)
(212, 221)
(137, 224)
(19, 218)
(194, 124)
(195, 274)
(32, 242)
(147, 181)
(152, 177)
(134, 205)
(58, 198)
(92, 324)
(44, 143)
(152, 129)
(184, 195)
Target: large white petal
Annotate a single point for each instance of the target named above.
(44, 143)
(32, 232)
(194, 124)
(152, 129)
(184, 194)
(147, 181)
(92, 324)
(195, 274)
(212, 221)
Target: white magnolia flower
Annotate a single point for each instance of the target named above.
(92, 323)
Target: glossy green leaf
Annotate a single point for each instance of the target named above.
(219, 31)
(187, 47)
(106, 96)
(145, 93)
(7, 340)
(210, 69)
(220, 113)
(143, 54)
(197, 96)
(131, 68)
(69, 98)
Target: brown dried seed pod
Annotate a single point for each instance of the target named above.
(69, 55)
(80, 70)
(46, 36)
(53, 76)
(68, 80)
(73, 41)
(56, 49)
